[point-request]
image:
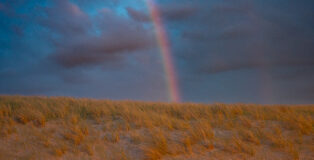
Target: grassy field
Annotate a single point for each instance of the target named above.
(65, 128)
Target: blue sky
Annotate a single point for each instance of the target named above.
(250, 51)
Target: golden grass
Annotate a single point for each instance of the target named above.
(102, 129)
(60, 150)
(236, 145)
(158, 145)
(136, 138)
(112, 137)
(249, 136)
(76, 134)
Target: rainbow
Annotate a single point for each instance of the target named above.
(165, 49)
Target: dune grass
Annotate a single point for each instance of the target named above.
(68, 128)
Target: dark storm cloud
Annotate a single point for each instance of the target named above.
(2, 7)
(6, 9)
(229, 65)
(262, 43)
(66, 19)
(117, 35)
(97, 50)
(138, 15)
(297, 73)
(79, 39)
(169, 12)
(61, 35)
(237, 36)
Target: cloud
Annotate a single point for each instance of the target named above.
(117, 35)
(97, 50)
(7, 9)
(235, 65)
(138, 15)
(65, 18)
(76, 39)
(64, 38)
(296, 73)
(234, 36)
(170, 12)
(2, 7)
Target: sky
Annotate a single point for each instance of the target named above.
(229, 51)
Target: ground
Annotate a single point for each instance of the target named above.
(34, 128)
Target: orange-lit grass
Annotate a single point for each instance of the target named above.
(153, 130)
